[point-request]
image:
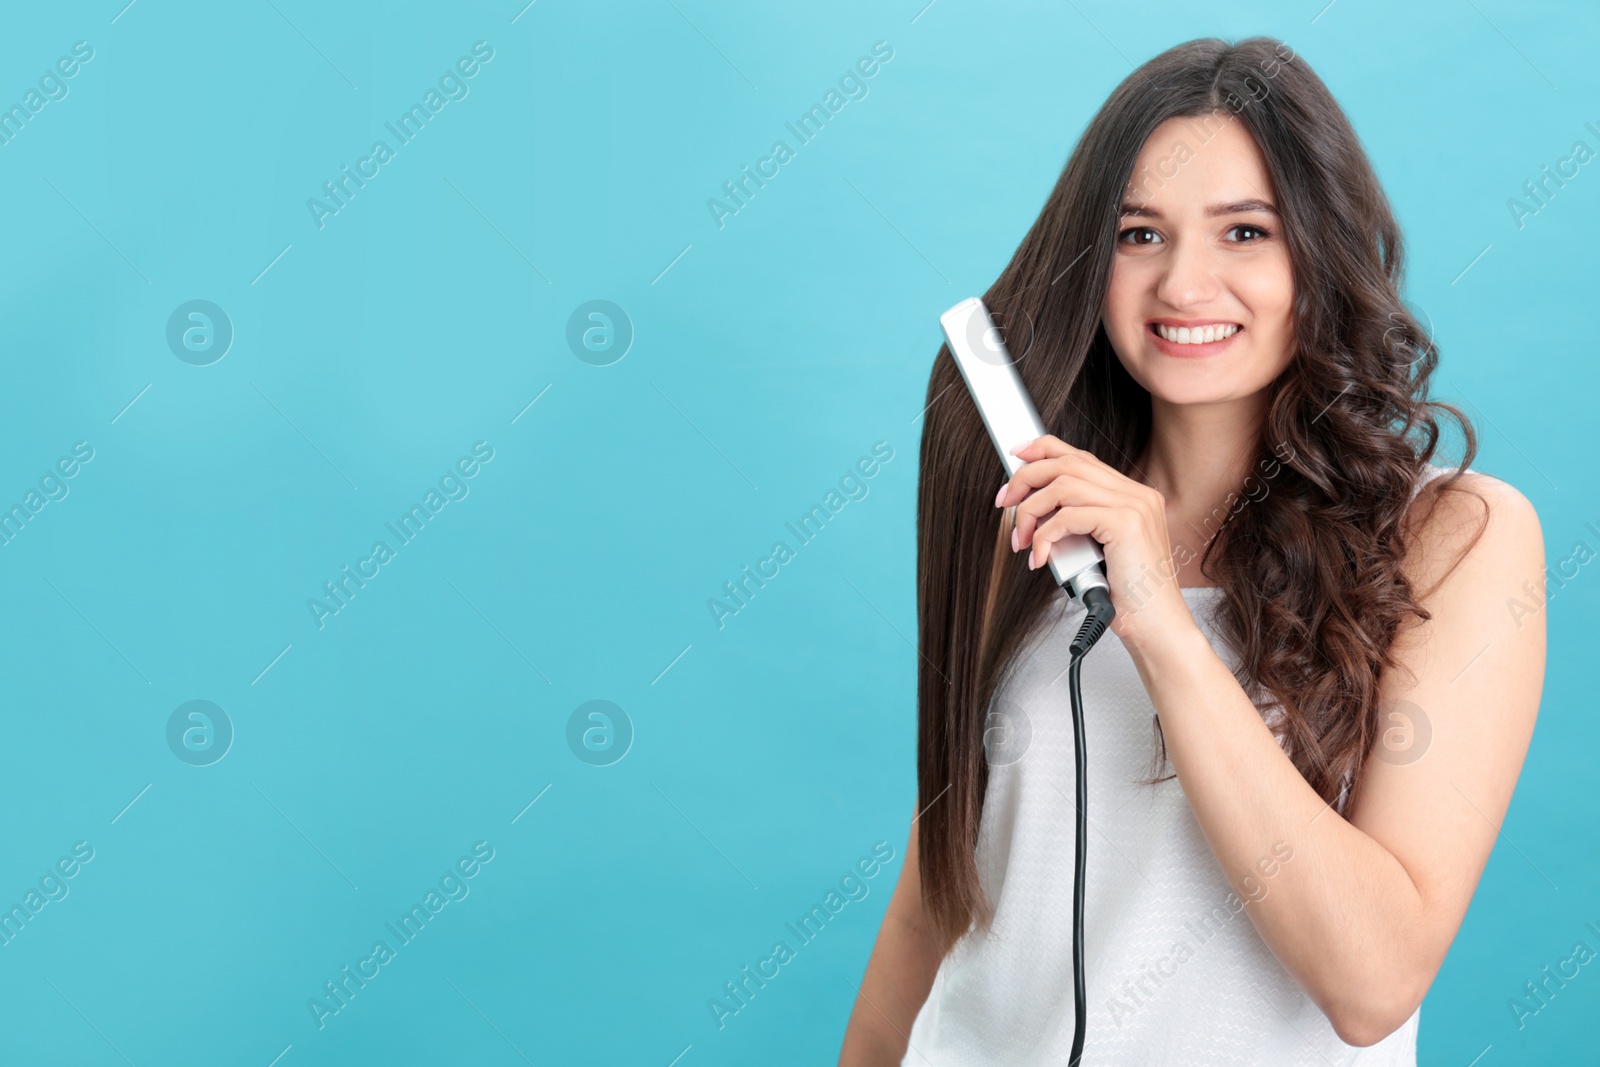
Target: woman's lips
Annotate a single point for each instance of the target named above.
(1190, 351)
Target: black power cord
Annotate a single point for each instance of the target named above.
(1097, 601)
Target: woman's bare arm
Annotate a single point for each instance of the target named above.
(899, 974)
(1364, 914)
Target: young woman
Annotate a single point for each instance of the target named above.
(1324, 670)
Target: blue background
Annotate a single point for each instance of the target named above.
(768, 356)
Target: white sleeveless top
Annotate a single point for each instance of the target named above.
(1175, 972)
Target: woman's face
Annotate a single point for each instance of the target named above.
(1200, 248)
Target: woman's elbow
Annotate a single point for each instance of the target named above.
(1370, 1020)
(1364, 1031)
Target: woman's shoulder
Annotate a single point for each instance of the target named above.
(1496, 493)
(1481, 514)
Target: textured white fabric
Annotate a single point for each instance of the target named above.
(1176, 973)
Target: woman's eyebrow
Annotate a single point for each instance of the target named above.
(1238, 207)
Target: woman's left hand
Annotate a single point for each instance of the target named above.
(1128, 518)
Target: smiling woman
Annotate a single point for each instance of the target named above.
(1179, 251)
(1213, 281)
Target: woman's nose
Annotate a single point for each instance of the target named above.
(1189, 277)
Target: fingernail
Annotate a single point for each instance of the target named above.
(1001, 494)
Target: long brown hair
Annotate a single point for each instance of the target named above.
(1313, 591)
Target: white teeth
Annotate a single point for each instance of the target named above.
(1198, 335)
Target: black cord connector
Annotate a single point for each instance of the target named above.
(1097, 601)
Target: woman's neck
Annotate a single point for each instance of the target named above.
(1196, 456)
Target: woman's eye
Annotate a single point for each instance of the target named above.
(1247, 226)
(1140, 230)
